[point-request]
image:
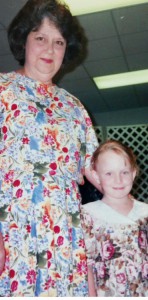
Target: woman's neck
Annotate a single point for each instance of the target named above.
(43, 79)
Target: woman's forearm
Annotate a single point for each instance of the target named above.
(91, 283)
(2, 254)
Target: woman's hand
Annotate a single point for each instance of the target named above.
(2, 254)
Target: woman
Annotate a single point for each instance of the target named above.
(47, 140)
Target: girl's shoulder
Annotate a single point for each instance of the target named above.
(140, 210)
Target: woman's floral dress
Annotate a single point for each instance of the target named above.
(46, 140)
(117, 249)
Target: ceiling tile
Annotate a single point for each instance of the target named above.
(138, 62)
(135, 43)
(106, 66)
(120, 98)
(8, 63)
(98, 25)
(104, 48)
(131, 19)
(4, 46)
(8, 10)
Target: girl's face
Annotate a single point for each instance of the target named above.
(114, 173)
(44, 52)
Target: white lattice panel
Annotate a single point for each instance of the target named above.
(99, 133)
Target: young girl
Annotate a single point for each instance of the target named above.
(115, 227)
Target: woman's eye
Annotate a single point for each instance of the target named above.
(39, 38)
(60, 43)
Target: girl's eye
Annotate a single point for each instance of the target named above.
(125, 172)
(108, 173)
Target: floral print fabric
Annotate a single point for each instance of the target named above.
(116, 248)
(46, 141)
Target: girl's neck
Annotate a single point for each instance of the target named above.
(123, 206)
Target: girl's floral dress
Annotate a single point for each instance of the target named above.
(46, 141)
(117, 249)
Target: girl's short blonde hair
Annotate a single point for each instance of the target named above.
(118, 148)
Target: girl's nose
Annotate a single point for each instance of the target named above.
(118, 178)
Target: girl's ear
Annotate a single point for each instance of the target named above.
(134, 174)
(95, 176)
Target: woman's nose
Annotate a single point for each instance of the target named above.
(49, 47)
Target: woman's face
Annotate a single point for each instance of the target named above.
(44, 52)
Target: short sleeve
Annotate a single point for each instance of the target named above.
(89, 236)
(91, 139)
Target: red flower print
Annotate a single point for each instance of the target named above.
(67, 158)
(142, 240)
(19, 193)
(25, 140)
(81, 243)
(60, 240)
(56, 229)
(49, 254)
(77, 156)
(9, 176)
(28, 228)
(45, 219)
(65, 149)
(46, 192)
(49, 111)
(31, 277)
(16, 113)
(108, 250)
(60, 104)
(70, 278)
(49, 264)
(88, 121)
(2, 88)
(42, 90)
(121, 278)
(16, 183)
(82, 268)
(101, 270)
(48, 140)
(77, 122)
(52, 173)
(56, 98)
(14, 285)
(4, 129)
(5, 137)
(49, 283)
(73, 184)
(67, 191)
(14, 106)
(22, 88)
(11, 273)
(32, 109)
(53, 166)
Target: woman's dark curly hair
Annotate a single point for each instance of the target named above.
(30, 17)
